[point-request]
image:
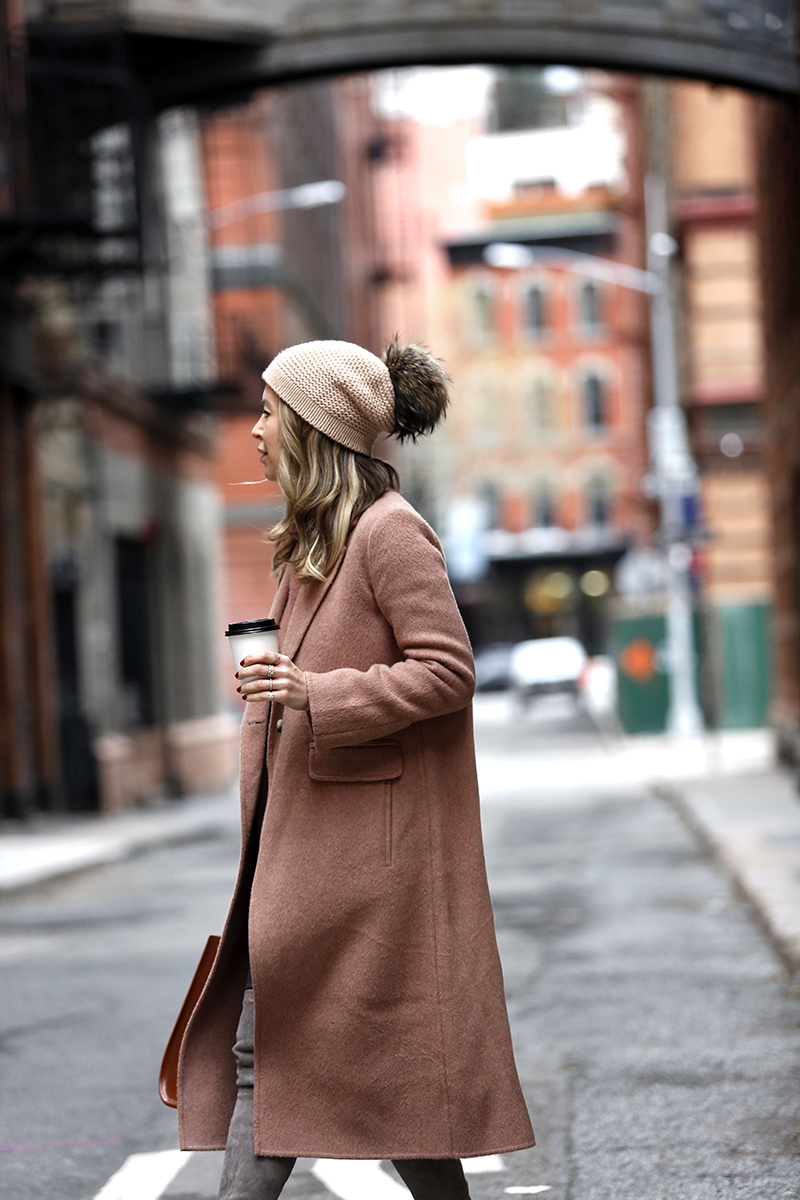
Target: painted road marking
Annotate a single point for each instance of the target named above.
(144, 1176)
(483, 1165)
(357, 1179)
(531, 1190)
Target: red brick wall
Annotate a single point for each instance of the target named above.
(778, 191)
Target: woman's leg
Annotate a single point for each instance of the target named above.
(245, 1174)
(433, 1178)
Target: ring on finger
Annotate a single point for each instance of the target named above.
(271, 671)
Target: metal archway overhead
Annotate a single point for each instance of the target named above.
(752, 43)
(748, 42)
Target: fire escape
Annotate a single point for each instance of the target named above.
(80, 91)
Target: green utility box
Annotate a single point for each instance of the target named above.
(732, 645)
(637, 645)
(742, 636)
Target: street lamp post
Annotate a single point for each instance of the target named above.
(674, 475)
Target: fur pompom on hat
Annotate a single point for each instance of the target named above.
(420, 389)
(353, 396)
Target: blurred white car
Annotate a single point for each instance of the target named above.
(547, 665)
(492, 666)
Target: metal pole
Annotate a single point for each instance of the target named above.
(674, 472)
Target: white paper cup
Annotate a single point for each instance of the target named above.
(252, 637)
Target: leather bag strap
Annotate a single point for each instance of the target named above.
(168, 1075)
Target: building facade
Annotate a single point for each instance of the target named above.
(534, 480)
(109, 545)
(548, 412)
(714, 203)
(125, 449)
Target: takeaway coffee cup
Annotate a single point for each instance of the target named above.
(252, 637)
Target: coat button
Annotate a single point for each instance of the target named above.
(279, 725)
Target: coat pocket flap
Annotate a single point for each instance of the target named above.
(356, 764)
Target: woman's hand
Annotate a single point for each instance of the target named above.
(271, 676)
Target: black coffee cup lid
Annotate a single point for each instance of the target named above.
(260, 625)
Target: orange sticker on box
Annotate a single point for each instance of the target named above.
(638, 660)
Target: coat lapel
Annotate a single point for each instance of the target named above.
(309, 598)
(253, 738)
(281, 596)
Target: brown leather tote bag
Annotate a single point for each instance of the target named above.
(168, 1076)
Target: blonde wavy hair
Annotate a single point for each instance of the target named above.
(326, 487)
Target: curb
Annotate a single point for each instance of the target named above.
(760, 853)
(30, 860)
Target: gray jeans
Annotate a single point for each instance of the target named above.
(250, 1176)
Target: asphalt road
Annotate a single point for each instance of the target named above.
(657, 1037)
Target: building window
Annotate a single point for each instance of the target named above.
(487, 407)
(489, 404)
(594, 402)
(482, 312)
(541, 407)
(490, 499)
(598, 502)
(544, 506)
(590, 306)
(133, 610)
(535, 312)
(106, 338)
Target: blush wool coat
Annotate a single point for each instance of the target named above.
(381, 1026)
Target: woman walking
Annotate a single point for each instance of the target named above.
(358, 972)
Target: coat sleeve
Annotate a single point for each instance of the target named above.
(436, 674)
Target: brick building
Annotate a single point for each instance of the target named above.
(777, 141)
(130, 515)
(108, 536)
(713, 188)
(536, 474)
(548, 413)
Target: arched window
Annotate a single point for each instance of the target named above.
(482, 315)
(541, 406)
(590, 306)
(594, 401)
(598, 501)
(488, 403)
(535, 311)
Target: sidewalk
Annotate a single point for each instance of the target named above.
(725, 785)
(53, 846)
(752, 825)
(620, 762)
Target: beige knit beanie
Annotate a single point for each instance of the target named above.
(352, 396)
(339, 388)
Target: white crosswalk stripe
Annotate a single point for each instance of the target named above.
(144, 1176)
(484, 1165)
(351, 1179)
(148, 1176)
